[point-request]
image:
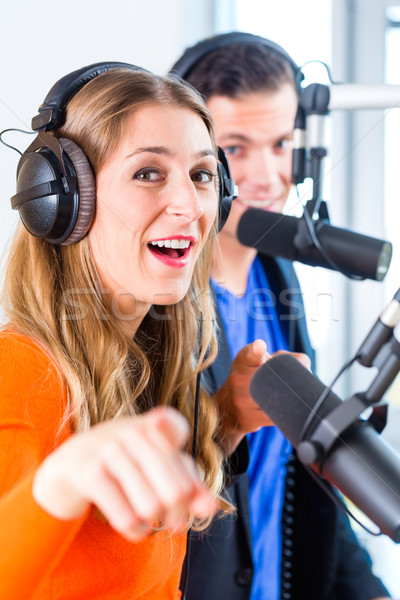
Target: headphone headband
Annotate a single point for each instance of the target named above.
(52, 110)
(195, 54)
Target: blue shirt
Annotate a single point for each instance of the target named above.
(245, 319)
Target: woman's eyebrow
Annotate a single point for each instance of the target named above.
(206, 153)
(153, 150)
(168, 152)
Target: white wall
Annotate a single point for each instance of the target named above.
(41, 41)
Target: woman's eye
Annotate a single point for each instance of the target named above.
(148, 175)
(203, 176)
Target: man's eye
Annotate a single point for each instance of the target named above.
(232, 150)
(203, 176)
(148, 175)
(286, 143)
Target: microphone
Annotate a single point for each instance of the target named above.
(359, 462)
(380, 332)
(288, 237)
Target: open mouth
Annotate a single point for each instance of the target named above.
(172, 249)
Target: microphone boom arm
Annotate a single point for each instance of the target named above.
(384, 353)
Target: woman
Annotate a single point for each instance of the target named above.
(99, 357)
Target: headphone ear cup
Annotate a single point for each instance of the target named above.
(225, 201)
(86, 190)
(37, 210)
(227, 189)
(56, 190)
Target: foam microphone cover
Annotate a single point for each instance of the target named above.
(287, 392)
(271, 233)
(288, 237)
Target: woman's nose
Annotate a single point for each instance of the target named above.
(184, 202)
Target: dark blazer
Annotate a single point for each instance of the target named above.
(321, 557)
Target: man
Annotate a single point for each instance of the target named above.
(289, 540)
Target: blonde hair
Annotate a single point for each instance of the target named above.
(52, 293)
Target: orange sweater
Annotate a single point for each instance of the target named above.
(42, 558)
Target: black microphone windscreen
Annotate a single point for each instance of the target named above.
(338, 248)
(287, 392)
(269, 232)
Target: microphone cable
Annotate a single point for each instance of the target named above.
(323, 397)
(336, 499)
(339, 501)
(196, 410)
(308, 218)
(318, 245)
(14, 129)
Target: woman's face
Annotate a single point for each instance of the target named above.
(156, 203)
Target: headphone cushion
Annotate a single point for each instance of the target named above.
(225, 200)
(86, 190)
(224, 211)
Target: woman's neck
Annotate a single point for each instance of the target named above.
(231, 264)
(129, 312)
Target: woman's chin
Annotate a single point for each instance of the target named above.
(168, 299)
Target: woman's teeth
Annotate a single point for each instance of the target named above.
(172, 244)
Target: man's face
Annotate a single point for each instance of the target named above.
(256, 131)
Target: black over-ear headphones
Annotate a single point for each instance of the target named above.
(194, 55)
(56, 191)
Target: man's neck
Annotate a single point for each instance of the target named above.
(231, 264)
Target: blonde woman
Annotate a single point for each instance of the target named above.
(102, 345)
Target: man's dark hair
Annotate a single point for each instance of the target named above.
(238, 69)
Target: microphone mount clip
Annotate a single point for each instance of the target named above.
(331, 428)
